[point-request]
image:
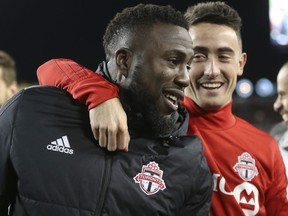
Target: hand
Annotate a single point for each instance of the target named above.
(109, 125)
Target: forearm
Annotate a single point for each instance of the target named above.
(83, 84)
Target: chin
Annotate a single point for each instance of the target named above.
(211, 105)
(285, 118)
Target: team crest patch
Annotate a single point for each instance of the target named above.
(246, 167)
(150, 179)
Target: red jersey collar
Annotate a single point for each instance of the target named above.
(217, 120)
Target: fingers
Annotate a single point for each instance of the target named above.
(109, 125)
(102, 137)
(117, 140)
(112, 139)
(95, 133)
(123, 139)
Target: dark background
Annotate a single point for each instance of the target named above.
(34, 31)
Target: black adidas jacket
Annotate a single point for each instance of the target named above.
(50, 165)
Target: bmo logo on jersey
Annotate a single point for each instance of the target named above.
(246, 194)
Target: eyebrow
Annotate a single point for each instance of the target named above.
(200, 48)
(225, 49)
(281, 92)
(177, 52)
(205, 49)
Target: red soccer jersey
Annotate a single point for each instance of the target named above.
(248, 170)
(246, 163)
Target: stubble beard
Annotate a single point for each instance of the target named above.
(159, 124)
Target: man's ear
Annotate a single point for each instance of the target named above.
(123, 61)
(13, 89)
(242, 62)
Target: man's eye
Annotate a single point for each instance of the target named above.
(173, 61)
(224, 58)
(198, 57)
(282, 95)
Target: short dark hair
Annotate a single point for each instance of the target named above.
(216, 13)
(8, 66)
(137, 17)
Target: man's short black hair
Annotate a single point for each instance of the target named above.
(137, 17)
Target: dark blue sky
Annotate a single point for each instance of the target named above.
(36, 31)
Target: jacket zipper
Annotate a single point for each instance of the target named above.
(104, 186)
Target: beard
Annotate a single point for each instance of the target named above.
(161, 126)
(143, 110)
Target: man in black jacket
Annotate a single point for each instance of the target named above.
(50, 163)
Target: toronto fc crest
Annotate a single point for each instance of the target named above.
(150, 179)
(246, 167)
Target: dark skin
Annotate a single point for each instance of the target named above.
(162, 62)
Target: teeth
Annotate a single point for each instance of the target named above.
(171, 97)
(211, 85)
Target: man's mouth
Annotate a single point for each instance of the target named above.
(285, 117)
(211, 85)
(172, 98)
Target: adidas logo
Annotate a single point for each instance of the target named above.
(61, 145)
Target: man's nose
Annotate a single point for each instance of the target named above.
(277, 105)
(182, 78)
(212, 69)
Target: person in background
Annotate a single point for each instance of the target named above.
(61, 170)
(247, 167)
(280, 130)
(8, 77)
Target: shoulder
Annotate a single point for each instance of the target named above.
(252, 132)
(40, 102)
(47, 97)
(279, 128)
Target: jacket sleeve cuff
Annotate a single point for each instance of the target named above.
(83, 84)
(93, 90)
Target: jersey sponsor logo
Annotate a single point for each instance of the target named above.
(150, 179)
(245, 194)
(246, 167)
(60, 145)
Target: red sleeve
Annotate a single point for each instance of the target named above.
(83, 84)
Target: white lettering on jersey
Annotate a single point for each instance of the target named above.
(246, 194)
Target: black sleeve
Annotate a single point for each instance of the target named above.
(8, 179)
